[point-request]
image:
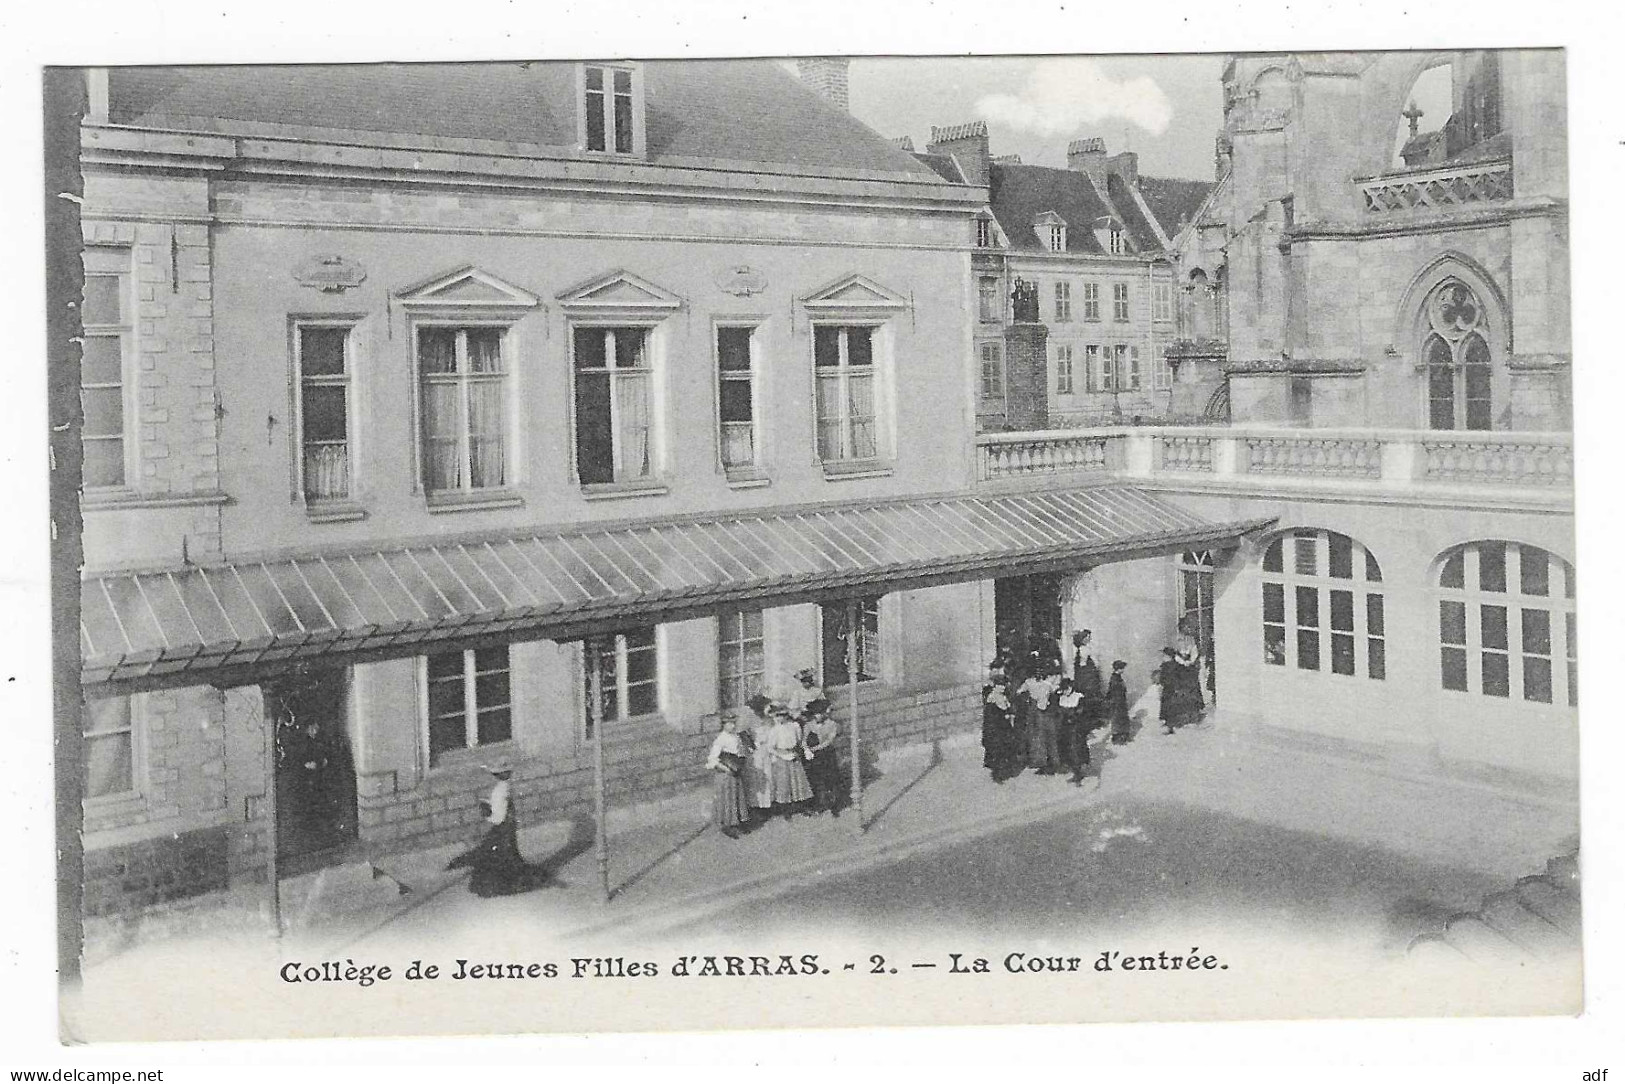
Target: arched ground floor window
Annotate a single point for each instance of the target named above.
(1507, 623)
(1323, 606)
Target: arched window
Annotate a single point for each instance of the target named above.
(1506, 623)
(1323, 607)
(1456, 354)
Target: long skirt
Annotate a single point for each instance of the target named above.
(824, 775)
(498, 868)
(730, 806)
(757, 781)
(789, 782)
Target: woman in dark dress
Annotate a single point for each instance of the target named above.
(820, 732)
(1117, 704)
(998, 726)
(498, 869)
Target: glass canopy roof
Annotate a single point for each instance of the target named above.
(247, 620)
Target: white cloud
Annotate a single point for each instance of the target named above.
(1063, 94)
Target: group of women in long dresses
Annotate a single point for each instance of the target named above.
(779, 761)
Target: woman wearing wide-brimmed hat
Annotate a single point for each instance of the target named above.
(787, 777)
(498, 869)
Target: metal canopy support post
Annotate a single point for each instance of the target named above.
(271, 706)
(595, 712)
(853, 609)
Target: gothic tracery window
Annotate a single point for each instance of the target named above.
(1456, 354)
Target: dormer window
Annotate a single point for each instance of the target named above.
(1114, 241)
(984, 233)
(612, 109)
(1057, 238)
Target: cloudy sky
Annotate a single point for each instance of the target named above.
(1165, 108)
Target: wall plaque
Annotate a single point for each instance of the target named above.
(330, 274)
(741, 280)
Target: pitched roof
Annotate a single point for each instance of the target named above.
(1021, 193)
(1174, 201)
(945, 166)
(733, 110)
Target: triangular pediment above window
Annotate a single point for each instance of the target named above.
(469, 288)
(1049, 218)
(855, 292)
(619, 291)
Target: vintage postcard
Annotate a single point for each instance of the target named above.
(615, 544)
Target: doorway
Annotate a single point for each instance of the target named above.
(1195, 608)
(1027, 614)
(315, 773)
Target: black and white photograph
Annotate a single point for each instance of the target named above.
(599, 544)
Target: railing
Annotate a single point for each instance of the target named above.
(1008, 455)
(1438, 188)
(1240, 455)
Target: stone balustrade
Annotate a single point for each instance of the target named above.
(1439, 188)
(1540, 465)
(1009, 455)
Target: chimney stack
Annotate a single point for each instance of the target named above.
(1127, 166)
(826, 75)
(1088, 156)
(968, 145)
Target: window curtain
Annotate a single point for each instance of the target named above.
(632, 440)
(441, 466)
(860, 390)
(485, 454)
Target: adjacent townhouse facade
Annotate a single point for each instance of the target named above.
(1092, 243)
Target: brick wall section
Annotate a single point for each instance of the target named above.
(180, 762)
(650, 762)
(153, 871)
(176, 434)
(1026, 379)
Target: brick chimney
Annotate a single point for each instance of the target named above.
(968, 144)
(1127, 166)
(1088, 156)
(826, 75)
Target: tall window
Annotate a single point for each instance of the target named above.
(1119, 374)
(1162, 301)
(1120, 302)
(1091, 301)
(992, 370)
(1115, 242)
(1134, 368)
(736, 399)
(631, 676)
(1456, 351)
(1195, 609)
(1162, 372)
(844, 365)
(608, 109)
(324, 410)
(1507, 625)
(614, 381)
(1063, 370)
(989, 303)
(833, 632)
(1323, 607)
(108, 343)
(741, 658)
(1063, 302)
(463, 378)
(984, 233)
(469, 700)
(109, 747)
(1057, 238)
